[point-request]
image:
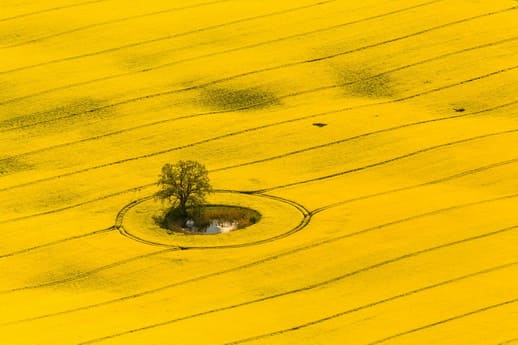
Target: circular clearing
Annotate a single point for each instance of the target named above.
(279, 218)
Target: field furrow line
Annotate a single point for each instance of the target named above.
(52, 9)
(306, 218)
(306, 213)
(305, 288)
(294, 94)
(209, 55)
(258, 71)
(441, 322)
(373, 304)
(114, 21)
(88, 273)
(359, 136)
(320, 178)
(53, 243)
(249, 130)
(168, 37)
(387, 161)
(218, 53)
(65, 208)
(276, 256)
(428, 183)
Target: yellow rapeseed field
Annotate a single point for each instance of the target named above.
(378, 140)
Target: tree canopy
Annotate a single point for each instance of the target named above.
(185, 184)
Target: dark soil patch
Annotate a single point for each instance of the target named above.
(73, 111)
(374, 87)
(236, 99)
(363, 82)
(13, 165)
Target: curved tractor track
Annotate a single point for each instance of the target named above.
(305, 219)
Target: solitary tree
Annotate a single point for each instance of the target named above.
(185, 184)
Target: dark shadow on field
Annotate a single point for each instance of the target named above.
(42, 200)
(11, 165)
(9, 35)
(89, 108)
(68, 275)
(237, 99)
(363, 82)
(54, 198)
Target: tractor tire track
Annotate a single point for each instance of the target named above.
(305, 219)
(249, 130)
(304, 211)
(454, 318)
(89, 273)
(356, 137)
(65, 208)
(428, 183)
(320, 178)
(49, 244)
(258, 71)
(374, 304)
(295, 94)
(217, 53)
(52, 9)
(109, 22)
(305, 288)
(163, 38)
(168, 37)
(266, 259)
(387, 161)
(263, 70)
(209, 55)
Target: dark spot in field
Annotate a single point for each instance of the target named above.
(12, 165)
(71, 112)
(459, 110)
(375, 87)
(141, 62)
(11, 37)
(319, 124)
(69, 276)
(54, 198)
(237, 99)
(362, 82)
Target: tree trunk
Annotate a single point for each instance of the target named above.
(183, 209)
